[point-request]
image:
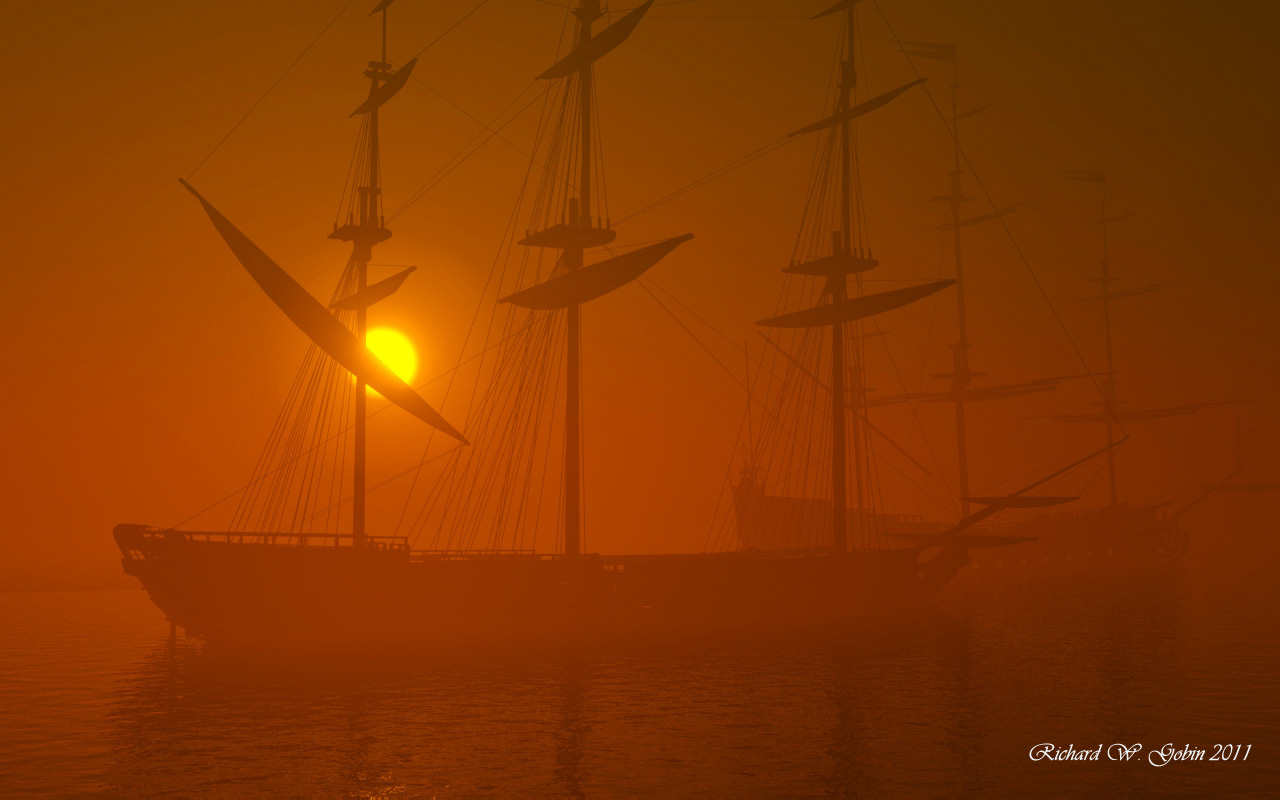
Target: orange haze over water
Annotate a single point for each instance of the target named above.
(144, 369)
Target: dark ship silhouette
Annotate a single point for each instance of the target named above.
(285, 572)
(1117, 535)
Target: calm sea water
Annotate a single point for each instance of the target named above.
(95, 699)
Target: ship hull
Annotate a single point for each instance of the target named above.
(1120, 538)
(1112, 538)
(239, 590)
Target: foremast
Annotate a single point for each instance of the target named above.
(364, 229)
(345, 346)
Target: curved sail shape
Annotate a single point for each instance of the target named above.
(387, 90)
(964, 223)
(597, 46)
(1020, 501)
(856, 111)
(854, 307)
(588, 283)
(838, 264)
(323, 328)
(967, 540)
(373, 293)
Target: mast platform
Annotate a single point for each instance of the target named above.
(362, 234)
(834, 265)
(565, 237)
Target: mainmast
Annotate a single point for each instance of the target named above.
(364, 231)
(577, 231)
(838, 288)
(587, 13)
(841, 309)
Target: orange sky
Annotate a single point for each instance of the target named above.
(144, 368)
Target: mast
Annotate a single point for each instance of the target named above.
(1109, 382)
(840, 308)
(838, 287)
(580, 211)
(580, 283)
(364, 232)
(960, 374)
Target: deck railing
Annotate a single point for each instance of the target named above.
(283, 539)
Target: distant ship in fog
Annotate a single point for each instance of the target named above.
(813, 544)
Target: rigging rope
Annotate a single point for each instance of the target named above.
(464, 18)
(1005, 226)
(270, 88)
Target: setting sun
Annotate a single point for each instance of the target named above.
(395, 350)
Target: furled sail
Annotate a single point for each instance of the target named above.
(1019, 501)
(854, 307)
(838, 264)
(1122, 293)
(323, 328)
(597, 46)
(588, 283)
(373, 293)
(950, 537)
(1131, 414)
(387, 90)
(966, 540)
(975, 394)
(856, 111)
(1000, 212)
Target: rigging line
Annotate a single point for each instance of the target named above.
(1014, 518)
(470, 328)
(707, 544)
(915, 415)
(345, 430)
(445, 171)
(503, 246)
(744, 351)
(464, 18)
(694, 336)
(473, 117)
(742, 161)
(270, 88)
(730, 16)
(1093, 378)
(1050, 466)
(642, 283)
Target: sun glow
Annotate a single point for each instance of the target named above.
(395, 350)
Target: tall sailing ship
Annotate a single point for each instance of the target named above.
(287, 570)
(1118, 533)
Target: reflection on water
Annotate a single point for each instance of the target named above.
(95, 697)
